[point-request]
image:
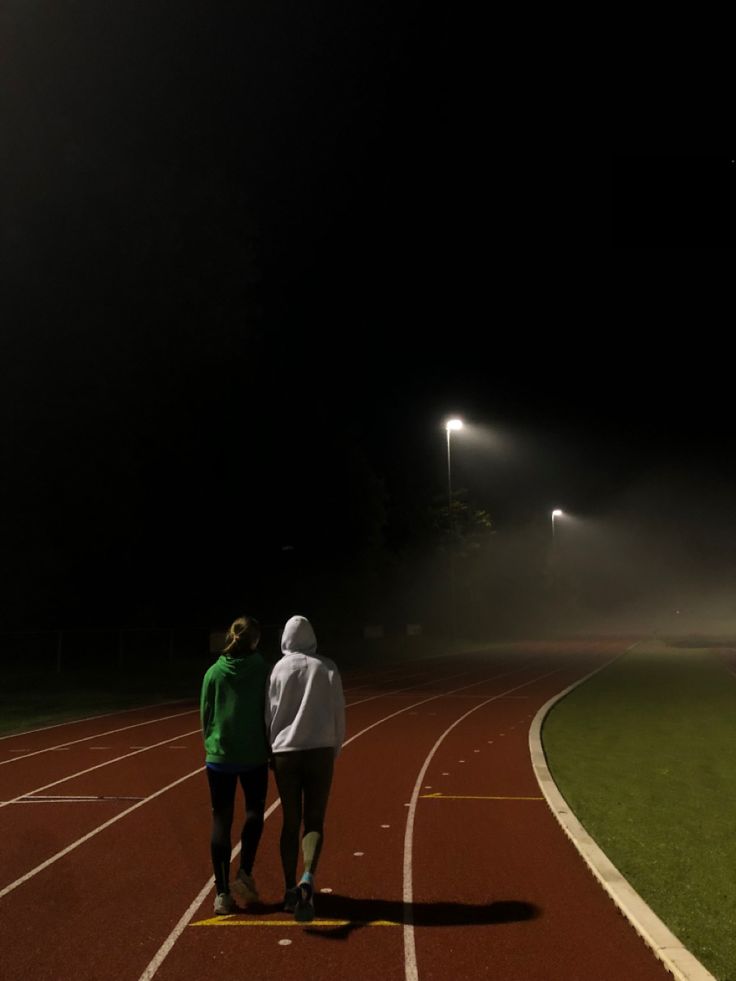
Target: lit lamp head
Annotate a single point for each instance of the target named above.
(557, 513)
(452, 424)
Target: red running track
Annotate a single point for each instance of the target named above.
(441, 857)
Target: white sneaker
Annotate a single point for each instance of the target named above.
(244, 887)
(224, 904)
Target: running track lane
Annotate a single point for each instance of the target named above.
(499, 895)
(100, 914)
(102, 910)
(120, 774)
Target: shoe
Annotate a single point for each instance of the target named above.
(244, 887)
(291, 898)
(224, 904)
(304, 911)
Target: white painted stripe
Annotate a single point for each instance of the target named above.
(664, 944)
(181, 926)
(410, 952)
(93, 718)
(81, 797)
(96, 767)
(399, 691)
(91, 834)
(483, 681)
(168, 944)
(98, 735)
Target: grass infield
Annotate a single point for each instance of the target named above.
(645, 754)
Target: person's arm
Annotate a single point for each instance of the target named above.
(338, 707)
(205, 705)
(267, 716)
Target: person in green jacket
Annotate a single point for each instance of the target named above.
(232, 712)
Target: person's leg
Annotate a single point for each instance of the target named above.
(287, 770)
(222, 795)
(254, 783)
(255, 787)
(318, 767)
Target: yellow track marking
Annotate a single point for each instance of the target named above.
(472, 797)
(232, 920)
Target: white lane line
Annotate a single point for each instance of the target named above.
(398, 691)
(98, 735)
(181, 926)
(69, 799)
(410, 953)
(91, 834)
(93, 718)
(96, 767)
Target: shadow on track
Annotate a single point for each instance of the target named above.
(361, 912)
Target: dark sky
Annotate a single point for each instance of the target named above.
(674, 201)
(254, 253)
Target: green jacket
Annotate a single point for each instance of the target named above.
(232, 707)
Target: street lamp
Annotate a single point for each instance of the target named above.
(555, 514)
(451, 426)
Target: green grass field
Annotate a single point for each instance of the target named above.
(645, 754)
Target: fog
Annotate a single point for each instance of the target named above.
(660, 559)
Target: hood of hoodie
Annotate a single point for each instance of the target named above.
(298, 637)
(236, 667)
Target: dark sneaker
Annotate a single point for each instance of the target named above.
(291, 898)
(304, 911)
(244, 887)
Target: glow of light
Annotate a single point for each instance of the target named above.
(557, 513)
(453, 424)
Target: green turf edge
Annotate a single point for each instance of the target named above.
(644, 752)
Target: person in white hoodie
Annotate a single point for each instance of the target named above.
(305, 718)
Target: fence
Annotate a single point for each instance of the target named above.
(103, 649)
(72, 648)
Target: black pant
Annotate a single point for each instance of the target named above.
(304, 778)
(222, 792)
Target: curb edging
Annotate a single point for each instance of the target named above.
(676, 958)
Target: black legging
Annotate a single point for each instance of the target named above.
(303, 773)
(222, 792)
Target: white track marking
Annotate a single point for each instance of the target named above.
(92, 718)
(181, 926)
(91, 834)
(98, 735)
(96, 767)
(431, 699)
(399, 691)
(410, 953)
(677, 959)
(71, 798)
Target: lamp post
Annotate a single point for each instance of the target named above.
(451, 426)
(555, 514)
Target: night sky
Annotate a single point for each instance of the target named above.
(674, 201)
(254, 254)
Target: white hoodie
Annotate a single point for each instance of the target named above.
(305, 705)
